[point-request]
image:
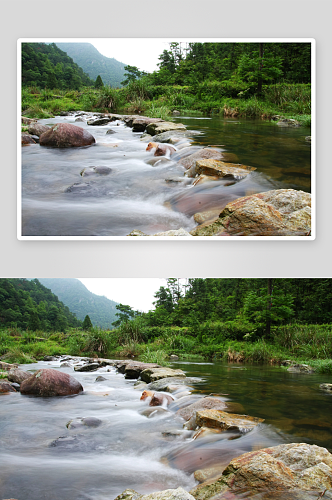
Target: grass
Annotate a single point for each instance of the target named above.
(211, 98)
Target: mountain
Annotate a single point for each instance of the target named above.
(81, 301)
(94, 63)
(46, 65)
(27, 304)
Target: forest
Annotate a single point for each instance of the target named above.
(232, 79)
(243, 319)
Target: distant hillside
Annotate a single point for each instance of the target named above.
(81, 301)
(94, 63)
(46, 65)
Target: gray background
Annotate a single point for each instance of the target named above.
(180, 18)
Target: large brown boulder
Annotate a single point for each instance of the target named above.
(282, 212)
(50, 382)
(283, 468)
(140, 124)
(65, 135)
(218, 419)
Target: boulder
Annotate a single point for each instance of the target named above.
(226, 421)
(27, 139)
(153, 374)
(50, 382)
(202, 404)
(201, 154)
(282, 212)
(222, 169)
(18, 376)
(140, 124)
(137, 232)
(134, 368)
(173, 357)
(100, 378)
(128, 495)
(168, 384)
(65, 135)
(6, 387)
(283, 468)
(173, 136)
(160, 127)
(90, 367)
(99, 121)
(37, 129)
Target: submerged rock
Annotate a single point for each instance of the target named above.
(87, 171)
(295, 466)
(78, 423)
(300, 368)
(288, 122)
(50, 382)
(279, 212)
(65, 135)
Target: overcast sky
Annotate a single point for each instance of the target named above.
(135, 292)
(140, 52)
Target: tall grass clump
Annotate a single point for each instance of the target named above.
(159, 357)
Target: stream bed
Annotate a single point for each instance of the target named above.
(58, 201)
(43, 459)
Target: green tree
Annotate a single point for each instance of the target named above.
(132, 74)
(126, 313)
(99, 82)
(87, 323)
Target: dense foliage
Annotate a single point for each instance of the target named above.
(31, 306)
(46, 66)
(188, 64)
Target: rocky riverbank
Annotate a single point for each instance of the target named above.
(279, 212)
(288, 471)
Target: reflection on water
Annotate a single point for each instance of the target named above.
(57, 200)
(41, 458)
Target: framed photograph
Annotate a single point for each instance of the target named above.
(135, 138)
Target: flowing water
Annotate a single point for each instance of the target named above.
(41, 458)
(58, 201)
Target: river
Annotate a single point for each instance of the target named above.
(41, 458)
(58, 201)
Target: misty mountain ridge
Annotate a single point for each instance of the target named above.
(94, 63)
(82, 302)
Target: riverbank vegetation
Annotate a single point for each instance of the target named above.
(237, 320)
(255, 80)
